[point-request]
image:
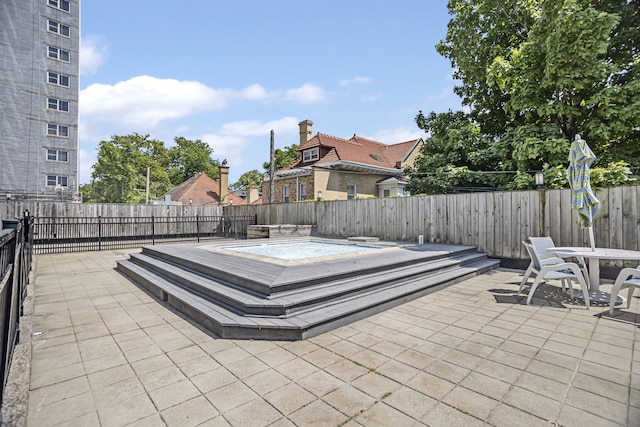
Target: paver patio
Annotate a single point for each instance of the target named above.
(103, 352)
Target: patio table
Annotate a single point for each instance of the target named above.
(593, 257)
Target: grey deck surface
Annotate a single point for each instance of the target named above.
(240, 296)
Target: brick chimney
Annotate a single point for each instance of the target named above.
(305, 130)
(224, 184)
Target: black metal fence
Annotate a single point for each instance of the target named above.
(15, 264)
(76, 234)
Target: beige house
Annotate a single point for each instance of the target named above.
(334, 168)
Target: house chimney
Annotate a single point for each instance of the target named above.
(224, 184)
(252, 195)
(305, 130)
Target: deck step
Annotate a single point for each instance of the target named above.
(297, 311)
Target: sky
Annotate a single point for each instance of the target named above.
(229, 72)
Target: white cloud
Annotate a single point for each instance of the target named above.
(394, 136)
(308, 93)
(357, 80)
(93, 54)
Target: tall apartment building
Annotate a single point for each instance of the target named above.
(39, 72)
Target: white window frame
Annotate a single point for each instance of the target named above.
(311, 154)
(58, 104)
(58, 79)
(58, 54)
(55, 180)
(302, 191)
(57, 155)
(63, 5)
(58, 28)
(352, 192)
(61, 131)
(285, 193)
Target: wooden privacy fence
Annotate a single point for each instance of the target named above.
(495, 222)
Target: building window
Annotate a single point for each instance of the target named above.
(60, 4)
(58, 28)
(351, 191)
(57, 130)
(55, 180)
(57, 79)
(302, 192)
(57, 104)
(310, 155)
(386, 193)
(285, 193)
(59, 54)
(57, 155)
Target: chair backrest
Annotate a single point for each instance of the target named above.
(541, 244)
(533, 255)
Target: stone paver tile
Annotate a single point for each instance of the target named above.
(41, 378)
(510, 359)
(470, 402)
(607, 373)
(214, 346)
(301, 347)
(430, 385)
(486, 385)
(603, 387)
(364, 340)
(91, 330)
(195, 367)
(276, 356)
(317, 413)
(88, 419)
(298, 368)
(622, 363)
(231, 396)
(110, 376)
(154, 363)
(600, 405)
(463, 359)
(375, 385)
(102, 363)
(448, 371)
(171, 341)
(533, 403)
(256, 413)
(162, 377)
(266, 381)
(127, 411)
(541, 385)
(505, 416)
(55, 349)
(152, 420)
(212, 380)
(382, 415)
(132, 344)
(190, 413)
(410, 402)
(230, 355)
(246, 367)
(369, 358)
(43, 365)
(59, 391)
(574, 417)
(563, 348)
(553, 372)
(98, 347)
(344, 348)
(61, 410)
(320, 383)
(322, 358)
(173, 394)
(442, 415)
(398, 371)
(415, 359)
(112, 394)
(349, 400)
(289, 398)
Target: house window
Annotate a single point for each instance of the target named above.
(57, 130)
(302, 192)
(58, 28)
(55, 180)
(351, 191)
(57, 104)
(285, 193)
(57, 155)
(60, 4)
(57, 79)
(59, 54)
(310, 155)
(386, 193)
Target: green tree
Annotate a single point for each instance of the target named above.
(284, 157)
(119, 176)
(247, 180)
(188, 157)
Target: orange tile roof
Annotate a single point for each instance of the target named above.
(355, 149)
(201, 190)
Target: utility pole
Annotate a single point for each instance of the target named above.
(272, 171)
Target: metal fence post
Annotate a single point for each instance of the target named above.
(99, 232)
(198, 228)
(153, 230)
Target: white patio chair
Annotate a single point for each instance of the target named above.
(627, 278)
(542, 246)
(566, 272)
